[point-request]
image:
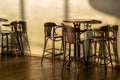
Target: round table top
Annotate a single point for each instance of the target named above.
(3, 20)
(90, 21)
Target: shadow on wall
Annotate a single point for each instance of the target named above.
(111, 7)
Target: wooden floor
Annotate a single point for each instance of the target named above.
(26, 68)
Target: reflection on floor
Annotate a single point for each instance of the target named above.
(29, 68)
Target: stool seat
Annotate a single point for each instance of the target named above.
(5, 31)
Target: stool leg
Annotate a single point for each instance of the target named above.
(99, 53)
(62, 46)
(53, 53)
(69, 64)
(115, 50)
(95, 50)
(104, 56)
(64, 57)
(2, 45)
(84, 55)
(109, 52)
(14, 44)
(88, 52)
(21, 44)
(7, 44)
(43, 55)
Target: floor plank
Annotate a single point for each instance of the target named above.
(29, 68)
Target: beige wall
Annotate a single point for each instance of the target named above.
(39, 11)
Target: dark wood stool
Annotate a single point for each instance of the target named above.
(51, 34)
(71, 37)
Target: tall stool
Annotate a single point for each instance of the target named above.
(7, 38)
(51, 34)
(104, 53)
(71, 37)
(13, 39)
(23, 37)
(113, 42)
(105, 46)
(94, 45)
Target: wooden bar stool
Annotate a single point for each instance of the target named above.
(113, 42)
(51, 34)
(13, 39)
(23, 38)
(73, 59)
(7, 38)
(101, 43)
